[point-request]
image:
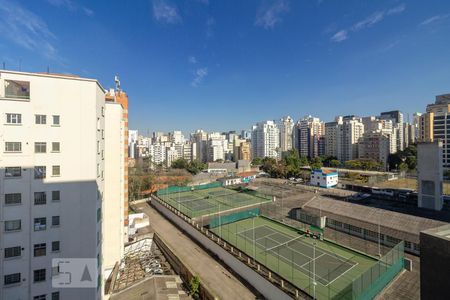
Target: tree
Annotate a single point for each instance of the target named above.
(257, 161)
(316, 163)
(196, 167)
(194, 287)
(180, 163)
(334, 163)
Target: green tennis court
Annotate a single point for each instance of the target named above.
(196, 203)
(306, 262)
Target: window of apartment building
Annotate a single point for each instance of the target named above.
(98, 147)
(55, 246)
(55, 221)
(40, 172)
(11, 278)
(13, 225)
(13, 171)
(98, 170)
(55, 296)
(13, 146)
(99, 214)
(408, 245)
(41, 119)
(13, 119)
(13, 251)
(40, 297)
(13, 198)
(55, 147)
(56, 120)
(392, 240)
(103, 111)
(17, 89)
(40, 224)
(56, 170)
(40, 147)
(56, 195)
(103, 134)
(40, 249)
(40, 198)
(39, 275)
(55, 271)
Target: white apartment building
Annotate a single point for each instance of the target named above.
(286, 127)
(62, 159)
(331, 136)
(265, 140)
(200, 138)
(157, 153)
(177, 137)
(348, 135)
(397, 120)
(171, 156)
(217, 146)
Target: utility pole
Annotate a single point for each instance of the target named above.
(314, 271)
(254, 240)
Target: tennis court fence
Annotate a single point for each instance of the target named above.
(179, 189)
(234, 217)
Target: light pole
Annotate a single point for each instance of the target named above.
(379, 233)
(254, 240)
(314, 270)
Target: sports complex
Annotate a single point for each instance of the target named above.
(318, 267)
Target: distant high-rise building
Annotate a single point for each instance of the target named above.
(309, 131)
(200, 138)
(246, 134)
(217, 146)
(286, 126)
(435, 124)
(348, 134)
(265, 140)
(176, 137)
(331, 137)
(397, 117)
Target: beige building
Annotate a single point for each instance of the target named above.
(286, 126)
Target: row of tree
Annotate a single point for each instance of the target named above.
(194, 167)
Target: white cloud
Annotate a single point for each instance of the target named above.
(26, 29)
(192, 60)
(165, 12)
(270, 12)
(340, 36)
(397, 9)
(199, 75)
(370, 21)
(434, 19)
(72, 6)
(210, 21)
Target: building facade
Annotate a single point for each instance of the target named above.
(265, 140)
(286, 127)
(309, 131)
(55, 190)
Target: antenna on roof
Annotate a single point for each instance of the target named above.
(117, 81)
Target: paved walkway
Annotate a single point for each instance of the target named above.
(218, 279)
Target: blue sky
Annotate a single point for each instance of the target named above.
(224, 65)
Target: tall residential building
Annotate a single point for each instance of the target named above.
(133, 143)
(62, 173)
(217, 146)
(309, 131)
(176, 137)
(331, 136)
(200, 138)
(348, 135)
(375, 145)
(397, 119)
(157, 153)
(286, 126)
(435, 123)
(172, 154)
(265, 140)
(241, 150)
(416, 124)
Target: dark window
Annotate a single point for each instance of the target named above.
(40, 147)
(40, 172)
(55, 296)
(40, 249)
(13, 171)
(39, 275)
(41, 119)
(13, 225)
(12, 278)
(13, 146)
(13, 251)
(13, 118)
(55, 246)
(14, 198)
(40, 297)
(55, 221)
(40, 224)
(40, 198)
(56, 120)
(55, 147)
(56, 195)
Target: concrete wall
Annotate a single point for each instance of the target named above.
(265, 287)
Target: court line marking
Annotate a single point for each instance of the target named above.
(324, 252)
(285, 243)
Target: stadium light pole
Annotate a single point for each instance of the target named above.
(254, 241)
(379, 233)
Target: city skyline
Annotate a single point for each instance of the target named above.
(362, 54)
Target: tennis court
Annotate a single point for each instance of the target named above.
(314, 266)
(196, 203)
(293, 251)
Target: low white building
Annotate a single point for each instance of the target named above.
(324, 178)
(226, 181)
